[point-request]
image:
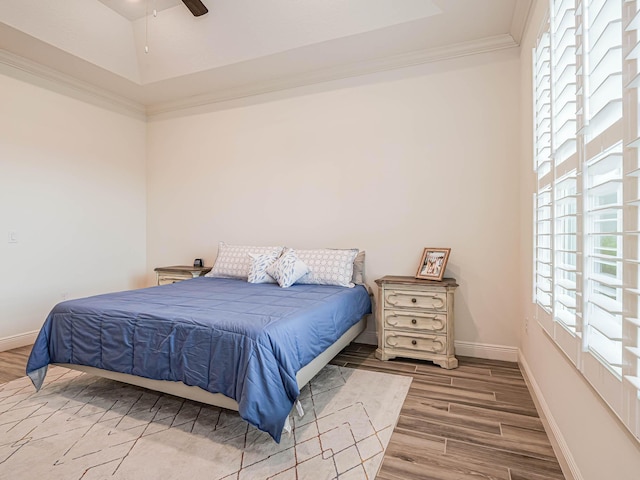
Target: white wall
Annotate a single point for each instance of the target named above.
(597, 445)
(390, 163)
(72, 186)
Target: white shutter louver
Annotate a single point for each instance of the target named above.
(604, 258)
(565, 249)
(563, 72)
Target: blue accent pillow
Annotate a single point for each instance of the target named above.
(258, 268)
(288, 269)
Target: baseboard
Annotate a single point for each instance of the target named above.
(20, 340)
(465, 349)
(487, 351)
(561, 449)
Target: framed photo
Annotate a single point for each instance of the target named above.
(433, 263)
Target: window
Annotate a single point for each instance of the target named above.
(587, 221)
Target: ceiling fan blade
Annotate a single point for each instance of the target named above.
(196, 7)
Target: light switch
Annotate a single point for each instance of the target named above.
(13, 237)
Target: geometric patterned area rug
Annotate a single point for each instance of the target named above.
(84, 427)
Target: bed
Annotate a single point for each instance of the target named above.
(226, 342)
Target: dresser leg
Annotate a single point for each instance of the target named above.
(381, 355)
(447, 363)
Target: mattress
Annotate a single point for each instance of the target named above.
(246, 341)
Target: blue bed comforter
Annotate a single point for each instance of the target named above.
(227, 336)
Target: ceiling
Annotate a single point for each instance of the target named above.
(135, 9)
(241, 47)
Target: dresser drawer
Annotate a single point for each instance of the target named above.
(414, 320)
(420, 343)
(416, 299)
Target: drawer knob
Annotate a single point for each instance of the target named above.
(414, 321)
(413, 300)
(414, 342)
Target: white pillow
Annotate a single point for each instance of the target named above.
(328, 266)
(287, 269)
(258, 269)
(233, 261)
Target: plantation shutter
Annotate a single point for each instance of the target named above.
(566, 183)
(587, 203)
(543, 166)
(631, 222)
(602, 136)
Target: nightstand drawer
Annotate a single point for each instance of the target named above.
(167, 279)
(429, 322)
(421, 343)
(415, 299)
(178, 273)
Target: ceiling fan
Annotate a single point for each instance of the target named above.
(196, 7)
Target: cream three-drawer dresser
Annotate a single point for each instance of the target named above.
(414, 319)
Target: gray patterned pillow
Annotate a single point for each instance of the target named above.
(287, 269)
(233, 261)
(328, 266)
(358, 269)
(258, 269)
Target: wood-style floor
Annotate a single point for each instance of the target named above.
(474, 422)
(477, 421)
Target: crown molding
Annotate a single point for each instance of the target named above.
(520, 19)
(488, 44)
(46, 77)
(23, 69)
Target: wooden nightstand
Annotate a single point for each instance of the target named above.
(414, 318)
(166, 275)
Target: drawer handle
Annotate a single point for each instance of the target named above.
(414, 321)
(414, 342)
(413, 300)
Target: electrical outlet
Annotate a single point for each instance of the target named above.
(526, 325)
(12, 237)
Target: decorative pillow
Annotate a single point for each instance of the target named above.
(258, 269)
(288, 269)
(328, 266)
(233, 261)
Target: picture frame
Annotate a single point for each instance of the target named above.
(433, 263)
